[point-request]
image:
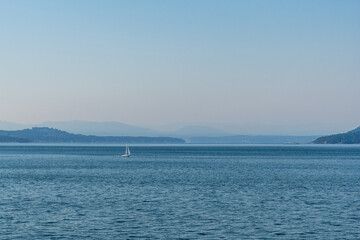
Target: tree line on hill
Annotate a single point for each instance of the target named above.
(351, 137)
(50, 135)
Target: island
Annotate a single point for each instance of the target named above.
(351, 137)
(51, 135)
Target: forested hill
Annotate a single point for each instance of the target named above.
(351, 137)
(50, 135)
(8, 139)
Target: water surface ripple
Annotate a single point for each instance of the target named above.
(180, 192)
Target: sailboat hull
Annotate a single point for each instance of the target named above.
(127, 152)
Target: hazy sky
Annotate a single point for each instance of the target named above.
(291, 65)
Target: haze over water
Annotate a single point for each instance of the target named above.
(180, 192)
(246, 67)
(238, 67)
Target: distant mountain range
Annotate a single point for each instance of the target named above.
(351, 137)
(116, 129)
(50, 135)
(115, 132)
(101, 128)
(87, 128)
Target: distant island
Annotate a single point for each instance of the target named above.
(253, 139)
(191, 134)
(51, 135)
(351, 137)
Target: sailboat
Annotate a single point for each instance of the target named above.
(127, 152)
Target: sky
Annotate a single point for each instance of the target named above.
(289, 67)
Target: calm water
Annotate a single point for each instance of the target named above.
(180, 192)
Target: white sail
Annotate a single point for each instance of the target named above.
(127, 152)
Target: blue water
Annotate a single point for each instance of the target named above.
(180, 192)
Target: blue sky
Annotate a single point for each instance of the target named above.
(243, 66)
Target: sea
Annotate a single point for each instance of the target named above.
(180, 192)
